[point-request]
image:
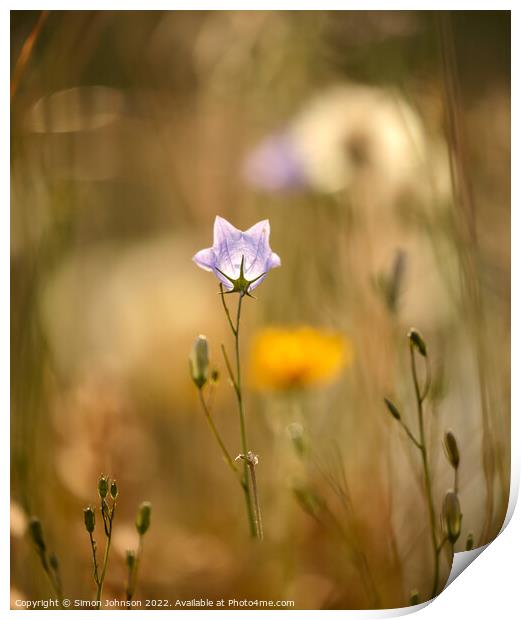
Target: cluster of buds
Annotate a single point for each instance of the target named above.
(106, 486)
(108, 493)
(451, 516)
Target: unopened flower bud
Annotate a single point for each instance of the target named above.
(103, 486)
(199, 361)
(143, 518)
(417, 341)
(392, 409)
(470, 542)
(130, 559)
(113, 489)
(414, 599)
(451, 449)
(89, 518)
(36, 532)
(452, 516)
(214, 377)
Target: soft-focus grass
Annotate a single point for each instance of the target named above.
(115, 185)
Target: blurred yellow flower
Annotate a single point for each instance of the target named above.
(295, 358)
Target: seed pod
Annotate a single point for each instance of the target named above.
(417, 341)
(452, 516)
(199, 361)
(103, 486)
(89, 518)
(113, 489)
(36, 532)
(143, 518)
(392, 409)
(451, 449)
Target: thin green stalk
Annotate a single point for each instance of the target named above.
(105, 564)
(258, 517)
(94, 559)
(132, 576)
(244, 442)
(420, 396)
(236, 381)
(215, 432)
(410, 435)
(441, 545)
(456, 479)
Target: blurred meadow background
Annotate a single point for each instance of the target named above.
(378, 146)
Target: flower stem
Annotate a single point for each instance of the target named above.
(215, 432)
(258, 517)
(244, 441)
(132, 576)
(236, 381)
(420, 396)
(94, 559)
(105, 564)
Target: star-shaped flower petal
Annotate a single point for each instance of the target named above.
(239, 259)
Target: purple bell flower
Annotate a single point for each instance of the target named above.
(239, 259)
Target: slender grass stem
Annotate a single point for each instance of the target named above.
(468, 250)
(215, 432)
(359, 557)
(420, 396)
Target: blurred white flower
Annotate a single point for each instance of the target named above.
(352, 137)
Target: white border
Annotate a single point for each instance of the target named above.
(487, 587)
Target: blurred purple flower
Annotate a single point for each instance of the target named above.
(240, 260)
(275, 165)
